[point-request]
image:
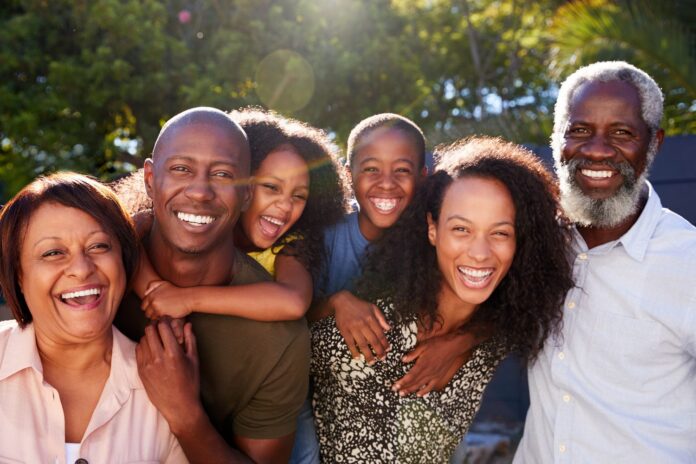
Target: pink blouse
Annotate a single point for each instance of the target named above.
(125, 427)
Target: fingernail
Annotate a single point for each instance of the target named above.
(402, 393)
(396, 387)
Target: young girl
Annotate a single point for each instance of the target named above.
(479, 243)
(298, 190)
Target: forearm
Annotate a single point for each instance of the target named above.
(326, 307)
(202, 443)
(146, 274)
(263, 301)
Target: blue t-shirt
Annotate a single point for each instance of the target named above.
(345, 247)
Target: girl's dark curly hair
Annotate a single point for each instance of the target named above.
(326, 203)
(526, 306)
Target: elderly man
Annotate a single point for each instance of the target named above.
(253, 375)
(619, 383)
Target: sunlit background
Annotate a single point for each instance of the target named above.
(86, 84)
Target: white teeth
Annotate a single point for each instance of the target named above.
(91, 291)
(273, 220)
(194, 218)
(384, 204)
(477, 273)
(596, 174)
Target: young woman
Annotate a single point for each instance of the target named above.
(480, 243)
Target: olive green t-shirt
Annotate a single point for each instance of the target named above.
(254, 375)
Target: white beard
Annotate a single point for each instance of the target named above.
(608, 212)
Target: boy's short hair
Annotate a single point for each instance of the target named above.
(389, 121)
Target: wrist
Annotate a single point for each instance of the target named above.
(188, 420)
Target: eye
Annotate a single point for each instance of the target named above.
(578, 131)
(461, 229)
(300, 197)
(272, 187)
(623, 132)
(101, 246)
(51, 253)
(370, 169)
(223, 174)
(403, 171)
(179, 168)
(502, 234)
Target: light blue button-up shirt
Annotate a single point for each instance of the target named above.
(619, 385)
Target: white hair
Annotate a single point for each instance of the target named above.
(649, 93)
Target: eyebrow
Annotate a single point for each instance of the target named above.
(462, 218)
(97, 231)
(278, 179)
(374, 158)
(191, 159)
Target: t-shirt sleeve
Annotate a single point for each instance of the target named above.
(272, 412)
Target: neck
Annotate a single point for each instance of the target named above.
(452, 311)
(368, 229)
(190, 269)
(596, 236)
(79, 358)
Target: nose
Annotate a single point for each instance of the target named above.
(479, 249)
(284, 203)
(386, 181)
(598, 148)
(80, 266)
(199, 189)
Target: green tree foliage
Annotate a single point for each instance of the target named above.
(86, 84)
(658, 37)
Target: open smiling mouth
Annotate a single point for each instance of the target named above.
(384, 205)
(592, 174)
(475, 278)
(195, 220)
(81, 298)
(271, 226)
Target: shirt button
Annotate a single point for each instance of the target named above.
(561, 356)
(81, 461)
(566, 398)
(582, 256)
(571, 305)
(562, 448)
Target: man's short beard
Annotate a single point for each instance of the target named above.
(607, 212)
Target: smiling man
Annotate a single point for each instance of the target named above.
(253, 375)
(619, 383)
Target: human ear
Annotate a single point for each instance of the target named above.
(432, 229)
(148, 167)
(660, 136)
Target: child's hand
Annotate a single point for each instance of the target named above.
(362, 326)
(437, 359)
(165, 299)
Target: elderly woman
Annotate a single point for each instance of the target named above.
(480, 242)
(69, 386)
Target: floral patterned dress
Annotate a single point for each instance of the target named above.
(360, 420)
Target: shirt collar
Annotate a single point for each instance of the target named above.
(21, 353)
(635, 241)
(637, 238)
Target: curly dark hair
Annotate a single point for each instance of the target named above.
(326, 204)
(526, 306)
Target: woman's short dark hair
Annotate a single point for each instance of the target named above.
(67, 189)
(526, 307)
(327, 200)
